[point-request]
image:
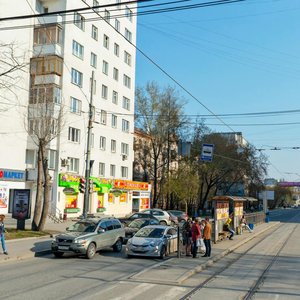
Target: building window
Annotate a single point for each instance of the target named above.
(30, 158)
(105, 67)
(79, 20)
(47, 35)
(93, 60)
(127, 58)
(46, 65)
(75, 106)
(102, 169)
(126, 103)
(124, 172)
(128, 13)
(77, 49)
(106, 41)
(103, 117)
(96, 3)
(116, 49)
(125, 125)
(114, 120)
(128, 35)
(113, 146)
(76, 77)
(74, 135)
(127, 81)
(124, 148)
(73, 164)
(104, 92)
(117, 25)
(112, 170)
(94, 32)
(52, 159)
(102, 143)
(116, 74)
(45, 94)
(115, 97)
(106, 15)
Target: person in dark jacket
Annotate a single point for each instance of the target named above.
(2, 236)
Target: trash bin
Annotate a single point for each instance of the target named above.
(267, 219)
(251, 226)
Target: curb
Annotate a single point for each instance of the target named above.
(216, 258)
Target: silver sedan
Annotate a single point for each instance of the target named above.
(153, 241)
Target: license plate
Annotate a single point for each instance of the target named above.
(63, 248)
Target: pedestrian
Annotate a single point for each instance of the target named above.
(187, 237)
(227, 226)
(2, 231)
(196, 234)
(243, 224)
(207, 237)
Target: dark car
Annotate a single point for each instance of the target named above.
(181, 215)
(137, 215)
(134, 226)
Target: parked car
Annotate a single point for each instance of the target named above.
(153, 241)
(163, 216)
(174, 219)
(181, 215)
(134, 226)
(137, 215)
(88, 236)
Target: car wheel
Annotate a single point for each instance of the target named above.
(173, 223)
(162, 252)
(91, 251)
(163, 223)
(58, 254)
(118, 246)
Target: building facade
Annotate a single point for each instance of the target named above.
(63, 50)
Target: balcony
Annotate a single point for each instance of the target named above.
(47, 20)
(47, 40)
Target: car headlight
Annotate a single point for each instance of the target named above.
(82, 242)
(153, 244)
(129, 242)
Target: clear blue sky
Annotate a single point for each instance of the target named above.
(235, 58)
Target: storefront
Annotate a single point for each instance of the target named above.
(107, 196)
(10, 180)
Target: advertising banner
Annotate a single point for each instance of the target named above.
(21, 204)
(4, 195)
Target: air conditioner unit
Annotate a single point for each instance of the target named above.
(124, 157)
(65, 162)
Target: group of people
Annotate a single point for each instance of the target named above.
(243, 224)
(194, 232)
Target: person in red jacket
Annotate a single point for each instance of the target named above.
(196, 234)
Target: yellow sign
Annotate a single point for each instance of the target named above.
(71, 201)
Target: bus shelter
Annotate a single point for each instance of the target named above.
(223, 207)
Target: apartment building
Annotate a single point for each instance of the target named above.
(63, 50)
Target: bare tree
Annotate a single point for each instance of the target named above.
(159, 114)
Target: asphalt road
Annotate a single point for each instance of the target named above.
(108, 275)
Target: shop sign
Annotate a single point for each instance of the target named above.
(68, 180)
(116, 193)
(12, 175)
(70, 191)
(71, 201)
(131, 185)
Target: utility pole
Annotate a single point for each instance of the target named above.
(88, 153)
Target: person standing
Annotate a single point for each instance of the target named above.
(228, 226)
(2, 231)
(196, 234)
(187, 234)
(207, 237)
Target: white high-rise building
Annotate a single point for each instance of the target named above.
(62, 51)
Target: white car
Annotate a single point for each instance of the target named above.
(153, 241)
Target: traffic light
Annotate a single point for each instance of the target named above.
(82, 185)
(91, 186)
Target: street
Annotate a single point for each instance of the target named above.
(267, 267)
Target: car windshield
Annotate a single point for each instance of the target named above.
(150, 232)
(136, 224)
(82, 227)
(175, 213)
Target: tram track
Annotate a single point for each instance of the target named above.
(257, 284)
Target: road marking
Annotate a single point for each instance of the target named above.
(134, 292)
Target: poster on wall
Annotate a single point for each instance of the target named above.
(123, 198)
(238, 209)
(111, 198)
(71, 201)
(222, 210)
(21, 204)
(4, 195)
(144, 203)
